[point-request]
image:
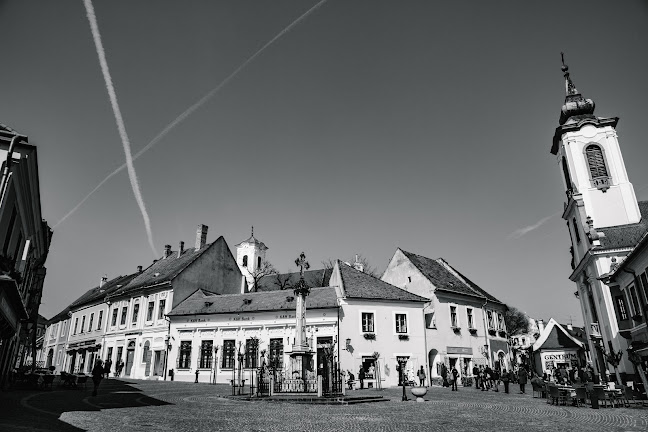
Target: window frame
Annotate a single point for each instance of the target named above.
(99, 320)
(228, 360)
(396, 324)
(150, 311)
(454, 314)
(470, 318)
(114, 316)
(622, 309)
(161, 308)
(373, 321)
(135, 314)
(274, 353)
(90, 322)
(83, 324)
(184, 348)
(124, 316)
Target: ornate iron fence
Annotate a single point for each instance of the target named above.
(291, 380)
(332, 380)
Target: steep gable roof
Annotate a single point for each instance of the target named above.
(100, 292)
(164, 269)
(314, 278)
(624, 236)
(357, 284)
(200, 303)
(555, 336)
(445, 277)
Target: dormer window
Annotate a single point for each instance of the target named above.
(598, 169)
(245, 260)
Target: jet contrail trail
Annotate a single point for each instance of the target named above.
(193, 107)
(520, 232)
(118, 118)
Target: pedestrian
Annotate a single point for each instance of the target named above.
(564, 376)
(475, 371)
(97, 375)
(120, 367)
(351, 380)
(361, 376)
(522, 379)
(496, 378)
(444, 375)
(572, 375)
(482, 378)
(505, 380)
(421, 376)
(107, 366)
(455, 374)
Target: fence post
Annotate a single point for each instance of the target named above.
(271, 385)
(319, 386)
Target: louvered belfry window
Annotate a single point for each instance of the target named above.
(595, 161)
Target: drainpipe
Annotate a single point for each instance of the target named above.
(7, 167)
(487, 344)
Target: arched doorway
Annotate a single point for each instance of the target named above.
(50, 358)
(130, 357)
(432, 358)
(146, 358)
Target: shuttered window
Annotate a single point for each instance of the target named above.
(595, 161)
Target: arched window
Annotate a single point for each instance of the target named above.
(576, 233)
(258, 262)
(244, 260)
(595, 161)
(568, 182)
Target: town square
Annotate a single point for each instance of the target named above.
(323, 215)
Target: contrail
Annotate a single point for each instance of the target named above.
(527, 229)
(118, 118)
(194, 107)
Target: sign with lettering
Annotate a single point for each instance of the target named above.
(560, 356)
(459, 350)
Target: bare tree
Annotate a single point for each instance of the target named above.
(366, 266)
(516, 321)
(265, 269)
(282, 281)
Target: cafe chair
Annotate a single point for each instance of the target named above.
(537, 388)
(581, 396)
(599, 393)
(82, 380)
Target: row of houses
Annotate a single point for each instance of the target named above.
(202, 314)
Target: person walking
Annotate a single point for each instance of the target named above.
(475, 372)
(455, 374)
(119, 368)
(107, 366)
(505, 379)
(361, 376)
(97, 375)
(444, 375)
(496, 378)
(421, 376)
(522, 379)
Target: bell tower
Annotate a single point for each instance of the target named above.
(250, 254)
(599, 193)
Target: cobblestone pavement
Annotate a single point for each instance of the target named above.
(132, 405)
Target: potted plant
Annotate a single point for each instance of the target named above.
(403, 337)
(370, 336)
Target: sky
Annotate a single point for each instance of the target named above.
(370, 125)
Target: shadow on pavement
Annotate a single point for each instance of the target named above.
(41, 410)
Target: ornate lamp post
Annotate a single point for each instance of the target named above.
(614, 358)
(402, 362)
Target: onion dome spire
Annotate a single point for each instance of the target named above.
(576, 107)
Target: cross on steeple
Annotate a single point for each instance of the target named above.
(570, 88)
(302, 263)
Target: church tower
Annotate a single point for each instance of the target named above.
(599, 199)
(250, 254)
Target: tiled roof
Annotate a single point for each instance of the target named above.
(98, 293)
(442, 278)
(201, 303)
(314, 278)
(623, 236)
(576, 332)
(253, 240)
(358, 284)
(163, 270)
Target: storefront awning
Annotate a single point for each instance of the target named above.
(87, 345)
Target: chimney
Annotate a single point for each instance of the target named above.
(201, 236)
(103, 281)
(139, 269)
(181, 249)
(358, 265)
(540, 326)
(570, 327)
(167, 251)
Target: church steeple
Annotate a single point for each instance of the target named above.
(576, 107)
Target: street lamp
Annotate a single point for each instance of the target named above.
(402, 361)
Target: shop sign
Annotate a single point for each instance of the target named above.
(459, 350)
(560, 356)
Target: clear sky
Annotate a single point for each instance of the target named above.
(371, 125)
